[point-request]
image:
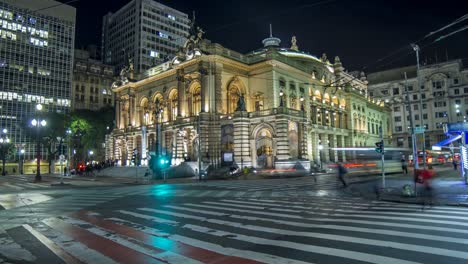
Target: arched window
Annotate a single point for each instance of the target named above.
(318, 96)
(144, 112)
(173, 105)
(196, 100)
(158, 106)
(326, 98)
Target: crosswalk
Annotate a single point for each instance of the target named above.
(252, 230)
(18, 183)
(319, 182)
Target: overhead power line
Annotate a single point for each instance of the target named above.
(52, 6)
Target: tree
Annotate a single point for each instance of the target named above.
(6, 150)
(56, 124)
(90, 128)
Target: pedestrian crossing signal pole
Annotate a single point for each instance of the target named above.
(380, 149)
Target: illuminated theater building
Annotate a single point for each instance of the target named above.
(271, 108)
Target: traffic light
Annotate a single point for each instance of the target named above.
(380, 147)
(163, 162)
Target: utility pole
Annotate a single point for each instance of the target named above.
(413, 135)
(383, 156)
(416, 49)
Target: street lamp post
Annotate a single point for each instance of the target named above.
(4, 141)
(416, 49)
(60, 140)
(22, 151)
(69, 134)
(320, 147)
(38, 123)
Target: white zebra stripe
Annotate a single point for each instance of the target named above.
(334, 227)
(287, 244)
(261, 257)
(340, 220)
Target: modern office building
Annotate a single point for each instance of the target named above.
(36, 54)
(440, 97)
(91, 83)
(272, 108)
(145, 31)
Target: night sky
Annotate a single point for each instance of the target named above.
(361, 32)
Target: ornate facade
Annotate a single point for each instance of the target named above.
(441, 97)
(271, 108)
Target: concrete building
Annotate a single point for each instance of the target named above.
(271, 108)
(145, 31)
(91, 83)
(36, 46)
(443, 91)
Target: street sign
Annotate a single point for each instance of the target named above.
(457, 127)
(419, 130)
(62, 157)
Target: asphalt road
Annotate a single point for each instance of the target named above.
(262, 221)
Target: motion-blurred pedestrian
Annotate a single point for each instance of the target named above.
(427, 176)
(341, 173)
(404, 166)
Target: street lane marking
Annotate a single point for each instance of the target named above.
(339, 220)
(349, 239)
(178, 252)
(13, 186)
(327, 226)
(281, 243)
(257, 256)
(147, 217)
(58, 251)
(106, 246)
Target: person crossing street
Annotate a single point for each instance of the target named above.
(341, 173)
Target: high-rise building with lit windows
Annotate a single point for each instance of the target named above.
(36, 54)
(145, 31)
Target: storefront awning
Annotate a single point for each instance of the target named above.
(447, 141)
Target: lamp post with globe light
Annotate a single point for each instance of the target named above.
(38, 123)
(22, 151)
(5, 148)
(320, 148)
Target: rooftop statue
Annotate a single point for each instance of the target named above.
(294, 44)
(191, 47)
(126, 74)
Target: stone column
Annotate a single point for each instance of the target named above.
(180, 144)
(334, 153)
(180, 92)
(118, 114)
(130, 146)
(218, 86)
(326, 147)
(315, 148)
(205, 88)
(310, 146)
(303, 140)
(131, 109)
(241, 139)
(282, 152)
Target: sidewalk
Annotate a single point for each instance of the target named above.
(75, 180)
(448, 188)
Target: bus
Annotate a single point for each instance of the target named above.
(365, 161)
